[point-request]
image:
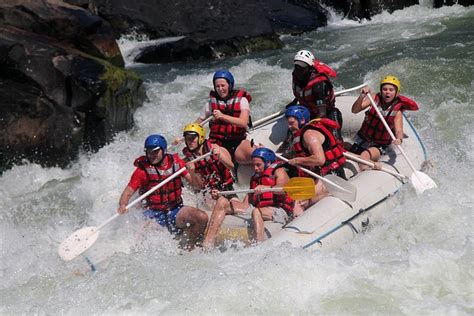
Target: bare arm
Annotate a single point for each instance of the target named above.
(362, 102)
(192, 177)
(281, 179)
(124, 198)
(241, 121)
(224, 156)
(398, 124)
(314, 141)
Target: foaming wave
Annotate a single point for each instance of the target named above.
(133, 43)
(417, 14)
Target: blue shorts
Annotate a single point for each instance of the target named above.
(165, 219)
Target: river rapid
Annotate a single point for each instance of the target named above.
(417, 259)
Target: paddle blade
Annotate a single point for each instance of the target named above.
(78, 242)
(340, 188)
(421, 182)
(300, 188)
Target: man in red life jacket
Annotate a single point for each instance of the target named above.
(313, 89)
(317, 140)
(213, 172)
(373, 139)
(265, 206)
(165, 205)
(230, 109)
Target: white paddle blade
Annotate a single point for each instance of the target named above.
(344, 190)
(77, 243)
(421, 182)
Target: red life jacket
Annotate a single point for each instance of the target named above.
(168, 196)
(320, 72)
(333, 150)
(214, 174)
(373, 130)
(266, 199)
(220, 130)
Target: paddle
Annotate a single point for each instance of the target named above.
(335, 185)
(371, 164)
(419, 180)
(298, 188)
(84, 238)
(282, 112)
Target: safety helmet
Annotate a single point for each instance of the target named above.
(299, 112)
(196, 129)
(154, 142)
(226, 74)
(304, 56)
(391, 80)
(267, 155)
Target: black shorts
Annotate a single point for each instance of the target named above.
(360, 145)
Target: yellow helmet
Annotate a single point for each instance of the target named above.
(197, 129)
(391, 80)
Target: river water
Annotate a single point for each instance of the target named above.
(416, 260)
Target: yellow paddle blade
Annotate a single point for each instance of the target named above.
(300, 188)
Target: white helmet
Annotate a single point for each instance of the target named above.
(305, 56)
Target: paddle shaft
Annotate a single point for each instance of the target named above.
(156, 187)
(276, 189)
(337, 93)
(371, 164)
(313, 174)
(282, 113)
(207, 120)
(389, 130)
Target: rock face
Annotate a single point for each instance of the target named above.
(62, 83)
(211, 28)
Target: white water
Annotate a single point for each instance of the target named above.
(417, 260)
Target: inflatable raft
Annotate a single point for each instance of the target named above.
(333, 221)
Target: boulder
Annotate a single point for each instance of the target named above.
(210, 28)
(61, 91)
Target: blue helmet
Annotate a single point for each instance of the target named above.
(226, 75)
(154, 142)
(267, 155)
(299, 112)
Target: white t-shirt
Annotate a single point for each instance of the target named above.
(207, 109)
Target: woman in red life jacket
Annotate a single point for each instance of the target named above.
(211, 173)
(274, 206)
(165, 205)
(230, 109)
(313, 88)
(372, 139)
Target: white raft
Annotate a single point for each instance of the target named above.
(332, 222)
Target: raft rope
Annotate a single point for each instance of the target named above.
(347, 222)
(425, 155)
(91, 265)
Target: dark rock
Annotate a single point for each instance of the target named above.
(188, 49)
(66, 23)
(364, 9)
(57, 98)
(211, 29)
(294, 17)
(440, 3)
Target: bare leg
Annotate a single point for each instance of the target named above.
(371, 154)
(259, 215)
(194, 221)
(223, 207)
(243, 153)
